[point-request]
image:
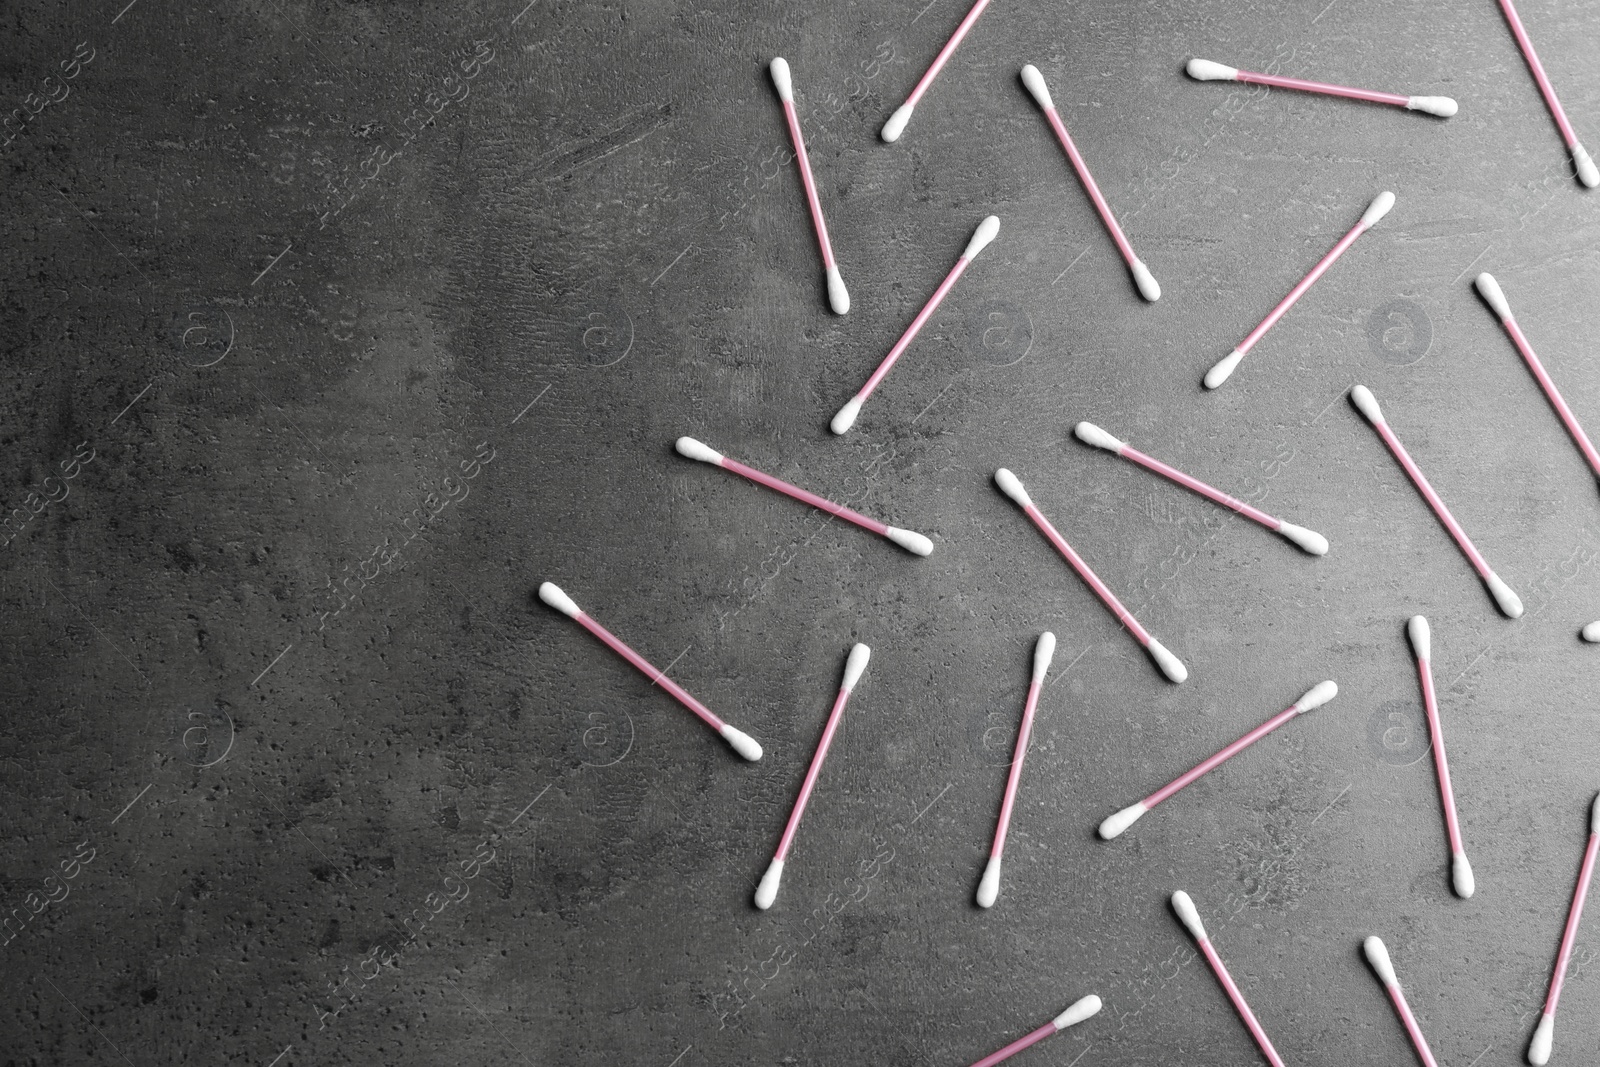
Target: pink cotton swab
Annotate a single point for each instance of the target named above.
(767, 891)
(838, 295)
(1310, 540)
(906, 539)
(1184, 906)
(742, 742)
(989, 887)
(1206, 71)
(1225, 366)
(1508, 602)
(1148, 288)
(1460, 869)
(1543, 1035)
(846, 418)
(1170, 665)
(1317, 696)
(902, 114)
(1083, 1009)
(1378, 956)
(1587, 172)
(1491, 292)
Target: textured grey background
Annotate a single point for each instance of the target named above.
(282, 311)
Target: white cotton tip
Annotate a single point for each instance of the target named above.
(1588, 174)
(1317, 696)
(780, 78)
(989, 887)
(847, 416)
(1378, 956)
(1170, 665)
(1087, 1008)
(854, 665)
(1149, 288)
(1090, 434)
(742, 743)
(1591, 632)
(897, 123)
(1115, 824)
(1366, 403)
(767, 891)
(1036, 86)
(987, 230)
(1594, 815)
(1543, 1036)
(1309, 540)
(1461, 876)
(688, 446)
(1378, 208)
(1188, 913)
(838, 295)
(1421, 636)
(1224, 367)
(551, 594)
(1044, 650)
(1491, 292)
(1011, 486)
(1509, 602)
(1206, 71)
(911, 541)
(1443, 106)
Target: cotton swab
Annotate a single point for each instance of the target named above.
(1170, 665)
(1083, 1009)
(1315, 697)
(838, 295)
(986, 231)
(1225, 366)
(989, 886)
(1184, 906)
(742, 742)
(1507, 600)
(1310, 540)
(1148, 288)
(1422, 644)
(1496, 298)
(767, 891)
(1539, 1049)
(1591, 632)
(1206, 71)
(1588, 173)
(906, 539)
(1378, 956)
(902, 114)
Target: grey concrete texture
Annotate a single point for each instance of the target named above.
(332, 329)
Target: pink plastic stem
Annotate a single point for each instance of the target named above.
(1017, 1046)
(916, 325)
(1016, 771)
(1238, 1002)
(1538, 74)
(1550, 390)
(1253, 78)
(811, 774)
(1087, 179)
(1201, 487)
(644, 665)
(810, 183)
(1211, 762)
(1410, 1021)
(946, 52)
(1440, 763)
(1089, 576)
(1449, 520)
(1300, 289)
(1570, 935)
(800, 494)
